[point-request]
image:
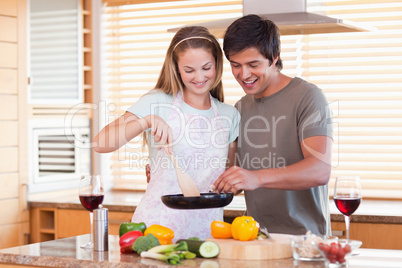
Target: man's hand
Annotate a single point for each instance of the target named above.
(236, 179)
(148, 172)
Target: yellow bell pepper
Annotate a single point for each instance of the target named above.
(245, 228)
(221, 229)
(164, 234)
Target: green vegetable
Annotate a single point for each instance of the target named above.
(204, 249)
(170, 258)
(194, 238)
(131, 226)
(145, 243)
(181, 246)
(172, 254)
(187, 255)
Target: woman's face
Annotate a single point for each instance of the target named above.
(197, 70)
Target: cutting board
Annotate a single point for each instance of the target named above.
(276, 247)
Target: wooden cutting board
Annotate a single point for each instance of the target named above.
(276, 247)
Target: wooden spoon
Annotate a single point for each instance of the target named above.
(186, 184)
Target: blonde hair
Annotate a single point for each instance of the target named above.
(169, 80)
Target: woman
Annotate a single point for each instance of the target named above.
(185, 115)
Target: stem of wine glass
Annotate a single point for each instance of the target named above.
(91, 217)
(347, 223)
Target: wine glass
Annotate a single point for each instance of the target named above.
(91, 196)
(347, 197)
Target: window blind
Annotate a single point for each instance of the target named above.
(55, 64)
(361, 76)
(359, 73)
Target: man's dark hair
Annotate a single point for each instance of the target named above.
(253, 31)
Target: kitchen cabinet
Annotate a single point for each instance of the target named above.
(373, 235)
(55, 223)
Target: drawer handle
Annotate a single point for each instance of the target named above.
(338, 233)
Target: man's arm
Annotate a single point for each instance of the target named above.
(232, 154)
(314, 170)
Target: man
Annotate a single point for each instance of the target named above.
(284, 145)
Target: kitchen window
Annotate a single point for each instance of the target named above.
(359, 73)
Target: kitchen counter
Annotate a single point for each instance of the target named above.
(67, 253)
(377, 223)
(370, 211)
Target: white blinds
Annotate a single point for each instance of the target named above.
(360, 73)
(55, 45)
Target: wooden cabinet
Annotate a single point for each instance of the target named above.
(72, 222)
(55, 223)
(76, 222)
(373, 235)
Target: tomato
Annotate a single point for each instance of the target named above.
(334, 250)
(221, 229)
(341, 253)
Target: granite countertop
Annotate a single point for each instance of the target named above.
(67, 253)
(369, 211)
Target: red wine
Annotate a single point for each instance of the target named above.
(90, 202)
(347, 205)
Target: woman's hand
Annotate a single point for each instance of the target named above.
(161, 131)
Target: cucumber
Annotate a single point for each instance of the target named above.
(203, 249)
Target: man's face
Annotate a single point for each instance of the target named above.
(252, 71)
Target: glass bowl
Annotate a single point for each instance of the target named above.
(337, 251)
(303, 248)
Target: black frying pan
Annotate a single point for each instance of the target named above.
(205, 200)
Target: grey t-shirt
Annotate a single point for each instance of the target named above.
(271, 130)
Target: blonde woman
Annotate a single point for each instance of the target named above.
(185, 115)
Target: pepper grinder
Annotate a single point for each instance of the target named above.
(101, 229)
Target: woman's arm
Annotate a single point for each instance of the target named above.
(127, 127)
(119, 132)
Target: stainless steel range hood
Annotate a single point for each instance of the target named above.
(290, 16)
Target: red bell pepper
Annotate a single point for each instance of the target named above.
(127, 240)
